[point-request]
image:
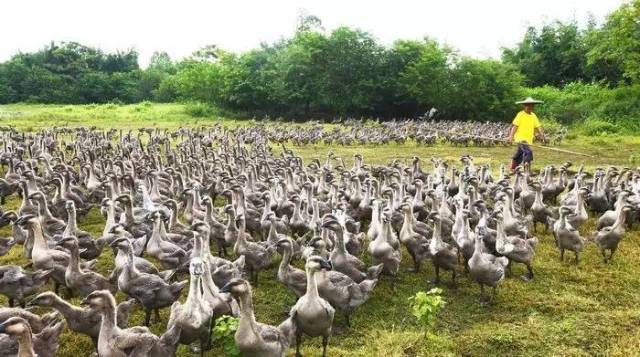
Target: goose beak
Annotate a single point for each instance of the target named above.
(84, 302)
(115, 243)
(22, 221)
(326, 264)
(226, 289)
(3, 327)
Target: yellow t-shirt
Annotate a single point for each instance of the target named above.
(526, 124)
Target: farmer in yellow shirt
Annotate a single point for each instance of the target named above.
(525, 126)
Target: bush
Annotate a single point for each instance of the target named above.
(595, 127)
(198, 109)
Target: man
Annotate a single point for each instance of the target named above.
(525, 126)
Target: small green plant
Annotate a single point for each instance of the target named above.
(224, 335)
(425, 306)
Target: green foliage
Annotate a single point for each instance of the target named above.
(425, 307)
(596, 127)
(578, 102)
(618, 42)
(198, 109)
(553, 55)
(224, 334)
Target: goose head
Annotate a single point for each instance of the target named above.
(46, 298)
(27, 220)
(117, 229)
(197, 266)
(201, 228)
(237, 287)
(317, 263)
(15, 326)
(99, 299)
(121, 244)
(70, 206)
(68, 242)
(331, 222)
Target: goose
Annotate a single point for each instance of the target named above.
(220, 304)
(82, 283)
(384, 249)
(150, 290)
(609, 217)
(519, 250)
(465, 240)
(608, 238)
(253, 338)
(17, 284)
(312, 315)
(540, 212)
(45, 258)
(567, 237)
(170, 255)
(293, 278)
(194, 316)
(486, 269)
(37, 322)
(417, 244)
(579, 216)
(90, 248)
(43, 344)
(344, 262)
(443, 256)
(83, 320)
(124, 248)
(112, 340)
(18, 235)
(257, 256)
(50, 224)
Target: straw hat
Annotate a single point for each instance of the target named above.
(530, 100)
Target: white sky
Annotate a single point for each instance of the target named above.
(476, 27)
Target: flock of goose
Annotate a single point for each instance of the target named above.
(202, 212)
(421, 131)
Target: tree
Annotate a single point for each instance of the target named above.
(427, 78)
(554, 55)
(617, 43)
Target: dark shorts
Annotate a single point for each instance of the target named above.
(523, 155)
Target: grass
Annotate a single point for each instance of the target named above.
(588, 310)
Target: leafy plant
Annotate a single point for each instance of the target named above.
(224, 334)
(425, 306)
(198, 109)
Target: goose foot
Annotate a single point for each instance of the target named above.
(526, 277)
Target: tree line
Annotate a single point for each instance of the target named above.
(344, 72)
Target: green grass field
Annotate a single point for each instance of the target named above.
(588, 310)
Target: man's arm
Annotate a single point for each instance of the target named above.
(540, 133)
(512, 133)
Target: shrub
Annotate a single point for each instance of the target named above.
(425, 307)
(596, 127)
(224, 334)
(198, 109)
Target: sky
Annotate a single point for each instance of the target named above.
(476, 28)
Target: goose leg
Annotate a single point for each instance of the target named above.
(416, 265)
(437, 279)
(325, 342)
(604, 255)
(147, 317)
(577, 257)
(157, 317)
(613, 250)
(562, 255)
(529, 276)
(11, 302)
(346, 319)
(298, 340)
